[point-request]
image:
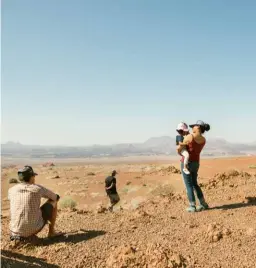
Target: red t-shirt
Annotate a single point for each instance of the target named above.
(194, 149)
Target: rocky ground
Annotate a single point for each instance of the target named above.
(158, 232)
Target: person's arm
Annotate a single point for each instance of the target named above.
(108, 188)
(46, 193)
(185, 142)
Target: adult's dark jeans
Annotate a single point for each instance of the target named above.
(191, 183)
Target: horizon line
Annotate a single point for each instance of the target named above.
(113, 144)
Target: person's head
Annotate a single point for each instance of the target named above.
(27, 174)
(114, 173)
(200, 127)
(182, 129)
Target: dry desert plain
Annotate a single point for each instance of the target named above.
(150, 227)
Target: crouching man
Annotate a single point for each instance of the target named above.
(27, 217)
(110, 187)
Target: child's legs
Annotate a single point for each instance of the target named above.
(185, 153)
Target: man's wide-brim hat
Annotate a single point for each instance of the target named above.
(26, 172)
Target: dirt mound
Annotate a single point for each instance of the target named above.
(149, 255)
(225, 178)
(163, 171)
(231, 174)
(172, 170)
(48, 164)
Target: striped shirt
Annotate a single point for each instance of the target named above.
(26, 215)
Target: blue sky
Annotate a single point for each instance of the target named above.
(84, 72)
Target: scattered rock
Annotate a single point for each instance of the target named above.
(91, 174)
(251, 231)
(101, 209)
(215, 232)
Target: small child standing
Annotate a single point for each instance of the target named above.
(182, 129)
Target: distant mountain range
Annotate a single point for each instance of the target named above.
(154, 146)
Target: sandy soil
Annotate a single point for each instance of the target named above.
(152, 229)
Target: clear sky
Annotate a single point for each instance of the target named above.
(83, 72)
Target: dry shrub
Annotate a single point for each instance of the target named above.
(13, 180)
(252, 166)
(162, 190)
(67, 202)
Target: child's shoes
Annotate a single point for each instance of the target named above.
(186, 171)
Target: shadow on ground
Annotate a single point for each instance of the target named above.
(72, 237)
(16, 260)
(251, 201)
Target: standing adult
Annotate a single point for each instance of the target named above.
(110, 187)
(27, 217)
(195, 143)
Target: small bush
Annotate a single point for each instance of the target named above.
(125, 190)
(67, 202)
(252, 166)
(90, 174)
(162, 190)
(13, 180)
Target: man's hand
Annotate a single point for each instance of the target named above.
(107, 188)
(58, 197)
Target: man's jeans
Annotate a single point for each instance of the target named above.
(191, 183)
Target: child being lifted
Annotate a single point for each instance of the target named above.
(183, 131)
